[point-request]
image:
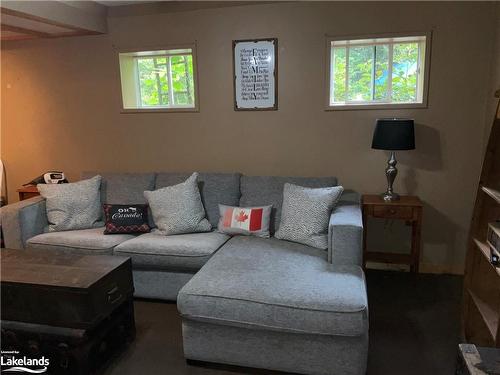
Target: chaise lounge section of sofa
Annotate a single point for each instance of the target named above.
(276, 305)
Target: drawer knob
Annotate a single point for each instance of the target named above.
(392, 211)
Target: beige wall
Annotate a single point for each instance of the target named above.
(61, 106)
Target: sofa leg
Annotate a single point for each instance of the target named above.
(192, 362)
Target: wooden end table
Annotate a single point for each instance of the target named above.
(407, 208)
(28, 191)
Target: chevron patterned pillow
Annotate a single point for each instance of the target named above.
(306, 213)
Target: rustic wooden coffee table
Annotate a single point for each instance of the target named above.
(76, 310)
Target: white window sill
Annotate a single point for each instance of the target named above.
(159, 110)
(350, 107)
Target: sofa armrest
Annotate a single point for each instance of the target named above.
(345, 231)
(23, 220)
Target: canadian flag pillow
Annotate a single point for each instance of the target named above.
(249, 221)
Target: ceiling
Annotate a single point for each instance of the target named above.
(57, 18)
(16, 27)
(50, 19)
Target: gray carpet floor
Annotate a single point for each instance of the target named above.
(414, 329)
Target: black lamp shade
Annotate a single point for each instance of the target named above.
(394, 134)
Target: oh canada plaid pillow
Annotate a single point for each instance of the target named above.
(126, 218)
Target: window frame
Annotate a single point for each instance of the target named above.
(156, 52)
(378, 105)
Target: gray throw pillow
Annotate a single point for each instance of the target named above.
(72, 206)
(306, 213)
(178, 209)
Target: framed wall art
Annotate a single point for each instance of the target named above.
(255, 67)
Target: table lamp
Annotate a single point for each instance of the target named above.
(393, 134)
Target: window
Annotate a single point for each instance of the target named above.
(158, 80)
(374, 73)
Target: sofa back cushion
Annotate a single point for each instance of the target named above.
(266, 190)
(215, 189)
(124, 188)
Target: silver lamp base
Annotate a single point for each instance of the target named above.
(390, 196)
(391, 172)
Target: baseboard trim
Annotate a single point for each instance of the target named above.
(454, 269)
(451, 269)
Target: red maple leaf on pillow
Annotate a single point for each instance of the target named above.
(241, 217)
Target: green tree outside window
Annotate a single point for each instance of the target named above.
(378, 72)
(166, 81)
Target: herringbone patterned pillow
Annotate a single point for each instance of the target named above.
(72, 206)
(306, 213)
(178, 209)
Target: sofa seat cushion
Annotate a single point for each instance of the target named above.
(173, 253)
(88, 241)
(277, 285)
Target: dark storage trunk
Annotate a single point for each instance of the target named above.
(75, 310)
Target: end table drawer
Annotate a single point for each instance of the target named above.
(388, 212)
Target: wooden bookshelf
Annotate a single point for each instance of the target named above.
(495, 194)
(485, 250)
(488, 314)
(481, 305)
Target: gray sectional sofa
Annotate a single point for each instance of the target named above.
(246, 301)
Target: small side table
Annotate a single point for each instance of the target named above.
(28, 191)
(409, 209)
